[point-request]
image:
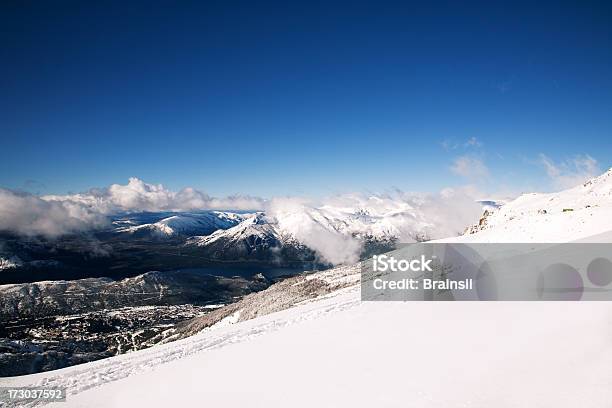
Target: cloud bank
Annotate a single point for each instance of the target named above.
(301, 219)
(334, 227)
(137, 195)
(30, 215)
(54, 215)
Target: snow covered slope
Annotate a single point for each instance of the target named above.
(186, 224)
(255, 238)
(254, 228)
(309, 341)
(337, 351)
(569, 215)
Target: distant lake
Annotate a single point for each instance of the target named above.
(248, 270)
(243, 270)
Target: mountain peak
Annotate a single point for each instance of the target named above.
(257, 219)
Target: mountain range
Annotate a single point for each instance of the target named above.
(287, 233)
(546, 354)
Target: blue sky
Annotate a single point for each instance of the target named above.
(312, 98)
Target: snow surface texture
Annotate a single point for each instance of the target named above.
(570, 215)
(326, 348)
(338, 352)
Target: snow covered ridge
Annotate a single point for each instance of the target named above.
(341, 230)
(582, 212)
(577, 213)
(256, 238)
(184, 224)
(256, 227)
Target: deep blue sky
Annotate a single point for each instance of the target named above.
(312, 98)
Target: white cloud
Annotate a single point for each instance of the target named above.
(470, 167)
(451, 211)
(53, 215)
(330, 226)
(30, 215)
(140, 196)
(298, 217)
(570, 173)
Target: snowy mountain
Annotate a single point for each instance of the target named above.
(255, 238)
(580, 212)
(289, 234)
(184, 224)
(340, 351)
(372, 217)
(341, 231)
(337, 233)
(575, 214)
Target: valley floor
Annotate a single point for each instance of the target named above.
(338, 351)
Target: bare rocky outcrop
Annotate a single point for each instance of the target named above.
(482, 223)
